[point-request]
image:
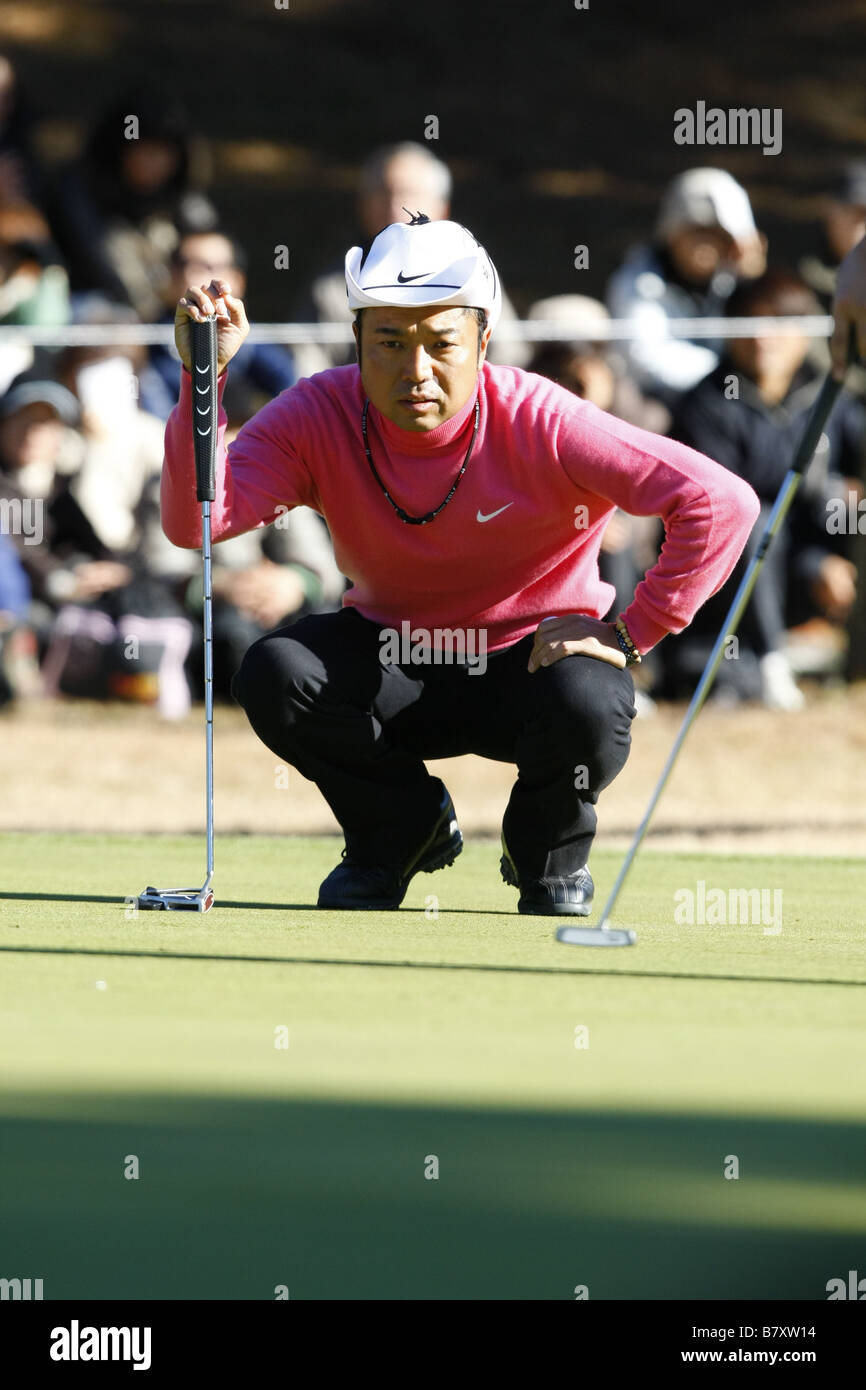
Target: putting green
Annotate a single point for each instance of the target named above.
(289, 1080)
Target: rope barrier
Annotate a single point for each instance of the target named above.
(521, 330)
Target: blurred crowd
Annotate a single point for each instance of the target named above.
(95, 602)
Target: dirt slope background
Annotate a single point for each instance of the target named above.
(751, 780)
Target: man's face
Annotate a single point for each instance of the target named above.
(420, 366)
(589, 376)
(31, 435)
(845, 225)
(148, 165)
(698, 252)
(776, 357)
(202, 259)
(408, 181)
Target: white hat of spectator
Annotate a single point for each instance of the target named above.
(420, 263)
(26, 390)
(580, 314)
(706, 198)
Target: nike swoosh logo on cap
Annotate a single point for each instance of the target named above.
(491, 515)
(405, 279)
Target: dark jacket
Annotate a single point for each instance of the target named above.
(259, 372)
(758, 442)
(67, 537)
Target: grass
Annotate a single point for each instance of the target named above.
(444, 1030)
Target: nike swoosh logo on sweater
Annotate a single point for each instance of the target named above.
(491, 515)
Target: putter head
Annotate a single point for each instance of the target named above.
(596, 936)
(176, 899)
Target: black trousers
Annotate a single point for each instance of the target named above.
(319, 696)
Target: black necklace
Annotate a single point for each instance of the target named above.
(404, 516)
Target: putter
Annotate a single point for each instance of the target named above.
(604, 934)
(204, 376)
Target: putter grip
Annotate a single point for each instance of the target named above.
(204, 406)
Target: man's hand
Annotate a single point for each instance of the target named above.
(574, 635)
(198, 304)
(849, 308)
(749, 256)
(264, 592)
(95, 577)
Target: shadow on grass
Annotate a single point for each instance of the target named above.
(220, 902)
(419, 965)
(236, 1196)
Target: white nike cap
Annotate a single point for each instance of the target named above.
(420, 263)
(706, 198)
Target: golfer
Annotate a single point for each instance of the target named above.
(467, 505)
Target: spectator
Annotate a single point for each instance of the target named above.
(843, 225)
(121, 444)
(19, 179)
(705, 241)
(749, 413)
(14, 584)
(260, 579)
(262, 582)
(596, 371)
(263, 370)
(849, 329)
(33, 285)
(17, 642)
(93, 593)
(67, 561)
(257, 580)
(392, 179)
(849, 310)
(118, 212)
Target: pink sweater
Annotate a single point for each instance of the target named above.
(520, 538)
